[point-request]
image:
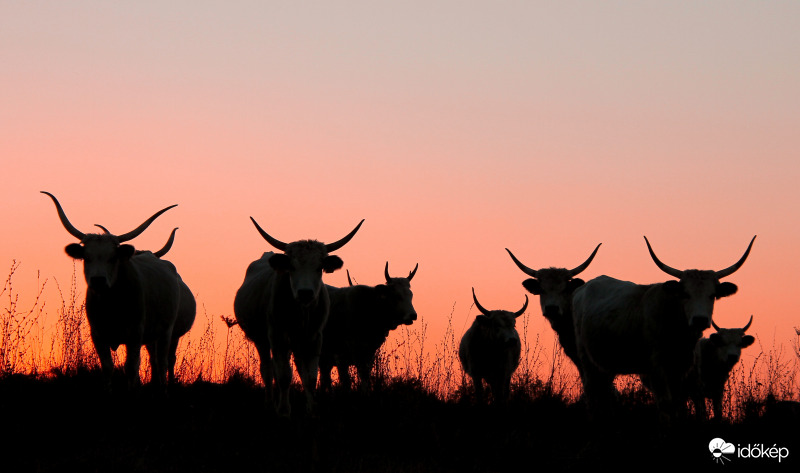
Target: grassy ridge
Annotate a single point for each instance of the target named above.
(69, 422)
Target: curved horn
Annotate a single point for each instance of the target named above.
(522, 311)
(663, 267)
(348, 277)
(714, 325)
(412, 273)
(525, 269)
(105, 230)
(64, 220)
(576, 271)
(272, 241)
(138, 230)
(478, 304)
(167, 246)
(338, 244)
(386, 273)
(732, 269)
(748, 324)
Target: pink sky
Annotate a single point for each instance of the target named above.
(455, 131)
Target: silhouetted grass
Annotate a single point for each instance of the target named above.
(216, 352)
(20, 330)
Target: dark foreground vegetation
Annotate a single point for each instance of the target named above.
(69, 423)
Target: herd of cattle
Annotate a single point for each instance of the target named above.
(607, 327)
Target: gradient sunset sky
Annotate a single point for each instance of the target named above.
(456, 129)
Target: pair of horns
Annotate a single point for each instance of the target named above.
(720, 274)
(486, 312)
(743, 329)
(388, 278)
(122, 238)
(572, 272)
(330, 247)
(386, 274)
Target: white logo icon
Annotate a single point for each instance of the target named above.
(718, 448)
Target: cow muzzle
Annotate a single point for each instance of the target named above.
(552, 312)
(305, 296)
(700, 322)
(98, 283)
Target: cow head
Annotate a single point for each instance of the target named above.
(102, 254)
(396, 297)
(698, 289)
(305, 261)
(728, 343)
(554, 286)
(500, 323)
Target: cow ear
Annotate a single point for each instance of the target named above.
(532, 285)
(575, 284)
(725, 289)
(716, 339)
(748, 340)
(331, 263)
(673, 287)
(125, 252)
(280, 262)
(75, 250)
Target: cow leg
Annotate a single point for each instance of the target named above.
(325, 368)
(106, 361)
(598, 390)
(132, 362)
(364, 370)
(173, 358)
(159, 360)
(344, 375)
(670, 397)
(265, 367)
(699, 406)
(151, 351)
(499, 386)
(158, 363)
(283, 379)
(307, 363)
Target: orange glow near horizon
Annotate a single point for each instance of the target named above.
(455, 132)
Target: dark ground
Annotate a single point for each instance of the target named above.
(68, 423)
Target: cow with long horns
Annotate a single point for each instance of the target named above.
(714, 358)
(490, 350)
(645, 329)
(131, 299)
(282, 306)
(361, 318)
(555, 287)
